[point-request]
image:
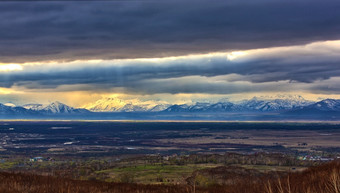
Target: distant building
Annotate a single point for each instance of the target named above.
(314, 158)
(37, 159)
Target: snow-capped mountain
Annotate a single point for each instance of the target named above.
(60, 108)
(178, 108)
(133, 108)
(255, 104)
(106, 105)
(14, 110)
(119, 105)
(324, 105)
(258, 104)
(5, 108)
(10, 104)
(54, 108)
(199, 107)
(160, 107)
(223, 106)
(35, 107)
(203, 107)
(328, 109)
(29, 110)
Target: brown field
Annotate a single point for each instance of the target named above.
(286, 138)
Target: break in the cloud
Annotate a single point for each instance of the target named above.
(312, 68)
(70, 30)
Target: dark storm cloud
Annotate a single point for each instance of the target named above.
(33, 31)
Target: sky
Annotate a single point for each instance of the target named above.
(78, 52)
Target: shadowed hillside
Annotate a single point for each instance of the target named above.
(320, 179)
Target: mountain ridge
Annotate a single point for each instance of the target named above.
(112, 104)
(270, 109)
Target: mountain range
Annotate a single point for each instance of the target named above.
(262, 103)
(283, 106)
(253, 105)
(39, 109)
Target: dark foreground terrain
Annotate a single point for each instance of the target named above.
(321, 179)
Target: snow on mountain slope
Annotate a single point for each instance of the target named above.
(35, 107)
(199, 107)
(325, 105)
(58, 108)
(275, 104)
(203, 107)
(130, 105)
(160, 107)
(178, 108)
(282, 103)
(223, 106)
(106, 105)
(10, 110)
(5, 108)
(255, 104)
(10, 104)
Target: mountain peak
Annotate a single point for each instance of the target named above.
(129, 105)
(58, 107)
(106, 105)
(328, 104)
(57, 104)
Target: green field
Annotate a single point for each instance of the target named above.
(154, 174)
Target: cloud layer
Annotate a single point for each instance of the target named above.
(312, 68)
(51, 30)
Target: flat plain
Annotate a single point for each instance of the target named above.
(102, 138)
